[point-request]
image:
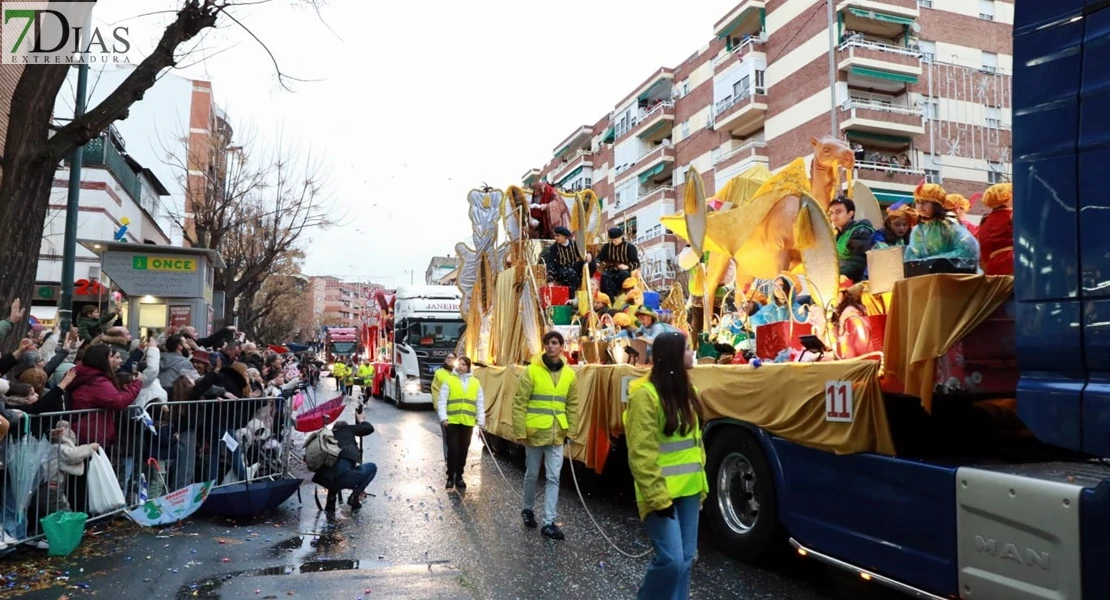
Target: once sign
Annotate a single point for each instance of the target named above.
(164, 263)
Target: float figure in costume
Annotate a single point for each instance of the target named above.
(996, 232)
(547, 211)
(938, 233)
(563, 261)
(617, 259)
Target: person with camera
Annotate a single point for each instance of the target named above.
(348, 472)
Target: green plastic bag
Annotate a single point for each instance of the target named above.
(64, 531)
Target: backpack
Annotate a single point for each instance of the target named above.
(321, 449)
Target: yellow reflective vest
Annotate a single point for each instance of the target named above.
(440, 376)
(339, 370)
(663, 467)
(545, 408)
(365, 372)
(462, 402)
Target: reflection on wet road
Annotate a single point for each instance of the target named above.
(413, 539)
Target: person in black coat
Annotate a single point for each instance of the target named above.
(347, 473)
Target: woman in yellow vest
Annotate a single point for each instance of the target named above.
(339, 371)
(461, 406)
(441, 375)
(662, 428)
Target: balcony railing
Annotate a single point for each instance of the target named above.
(897, 109)
(861, 42)
(741, 50)
(571, 161)
(747, 148)
(625, 127)
(101, 152)
(729, 101)
(655, 194)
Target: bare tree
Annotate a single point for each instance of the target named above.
(34, 146)
(281, 311)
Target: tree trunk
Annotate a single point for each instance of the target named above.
(29, 171)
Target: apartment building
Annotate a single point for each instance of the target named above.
(921, 89)
(339, 303)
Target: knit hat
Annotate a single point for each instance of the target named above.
(615, 232)
(930, 192)
(560, 230)
(998, 195)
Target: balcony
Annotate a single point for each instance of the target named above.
(574, 164)
(747, 18)
(654, 165)
(887, 19)
(663, 193)
(530, 176)
(578, 139)
(651, 124)
(883, 174)
(749, 48)
(101, 152)
(878, 66)
(753, 151)
(876, 116)
(740, 115)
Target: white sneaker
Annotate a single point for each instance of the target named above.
(40, 544)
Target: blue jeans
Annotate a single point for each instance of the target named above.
(355, 478)
(552, 457)
(675, 542)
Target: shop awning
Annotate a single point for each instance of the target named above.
(888, 198)
(884, 75)
(44, 313)
(878, 16)
(652, 172)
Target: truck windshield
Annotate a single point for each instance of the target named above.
(433, 333)
(342, 347)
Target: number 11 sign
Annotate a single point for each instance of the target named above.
(838, 401)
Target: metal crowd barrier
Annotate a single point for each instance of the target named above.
(155, 450)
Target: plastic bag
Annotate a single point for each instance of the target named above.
(105, 494)
(64, 531)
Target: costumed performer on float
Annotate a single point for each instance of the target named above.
(900, 221)
(563, 261)
(938, 233)
(617, 259)
(996, 232)
(776, 310)
(960, 206)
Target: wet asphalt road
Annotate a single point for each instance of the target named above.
(412, 539)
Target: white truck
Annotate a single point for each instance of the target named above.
(427, 326)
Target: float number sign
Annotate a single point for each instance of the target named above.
(838, 401)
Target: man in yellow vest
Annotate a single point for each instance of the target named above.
(438, 378)
(365, 373)
(545, 412)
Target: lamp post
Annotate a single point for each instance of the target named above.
(832, 66)
(73, 202)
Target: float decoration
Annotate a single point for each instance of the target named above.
(478, 270)
(829, 156)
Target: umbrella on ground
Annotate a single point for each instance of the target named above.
(24, 460)
(249, 499)
(173, 507)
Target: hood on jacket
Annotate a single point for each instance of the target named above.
(85, 375)
(115, 341)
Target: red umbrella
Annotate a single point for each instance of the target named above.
(279, 349)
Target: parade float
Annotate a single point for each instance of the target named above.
(804, 379)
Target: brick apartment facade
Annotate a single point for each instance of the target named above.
(922, 86)
(341, 303)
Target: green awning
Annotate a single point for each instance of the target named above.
(878, 16)
(888, 198)
(852, 134)
(735, 23)
(530, 179)
(653, 129)
(562, 150)
(610, 135)
(568, 177)
(647, 92)
(885, 75)
(652, 172)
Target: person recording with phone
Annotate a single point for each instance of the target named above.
(348, 472)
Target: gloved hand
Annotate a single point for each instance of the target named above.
(665, 513)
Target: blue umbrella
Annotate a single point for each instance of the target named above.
(25, 458)
(250, 498)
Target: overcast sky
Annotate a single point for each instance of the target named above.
(415, 103)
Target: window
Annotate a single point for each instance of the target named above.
(716, 154)
(928, 50)
(995, 173)
(990, 62)
(986, 10)
(994, 117)
(925, 3)
(758, 81)
(743, 88)
(686, 128)
(685, 87)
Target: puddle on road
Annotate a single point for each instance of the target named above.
(210, 587)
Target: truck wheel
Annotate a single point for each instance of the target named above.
(399, 393)
(742, 508)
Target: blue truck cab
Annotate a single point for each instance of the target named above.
(1000, 501)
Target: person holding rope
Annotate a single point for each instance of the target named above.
(461, 406)
(662, 427)
(545, 410)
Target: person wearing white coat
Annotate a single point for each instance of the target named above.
(461, 406)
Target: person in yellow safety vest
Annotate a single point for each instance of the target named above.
(545, 415)
(662, 427)
(339, 371)
(438, 378)
(365, 372)
(461, 406)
